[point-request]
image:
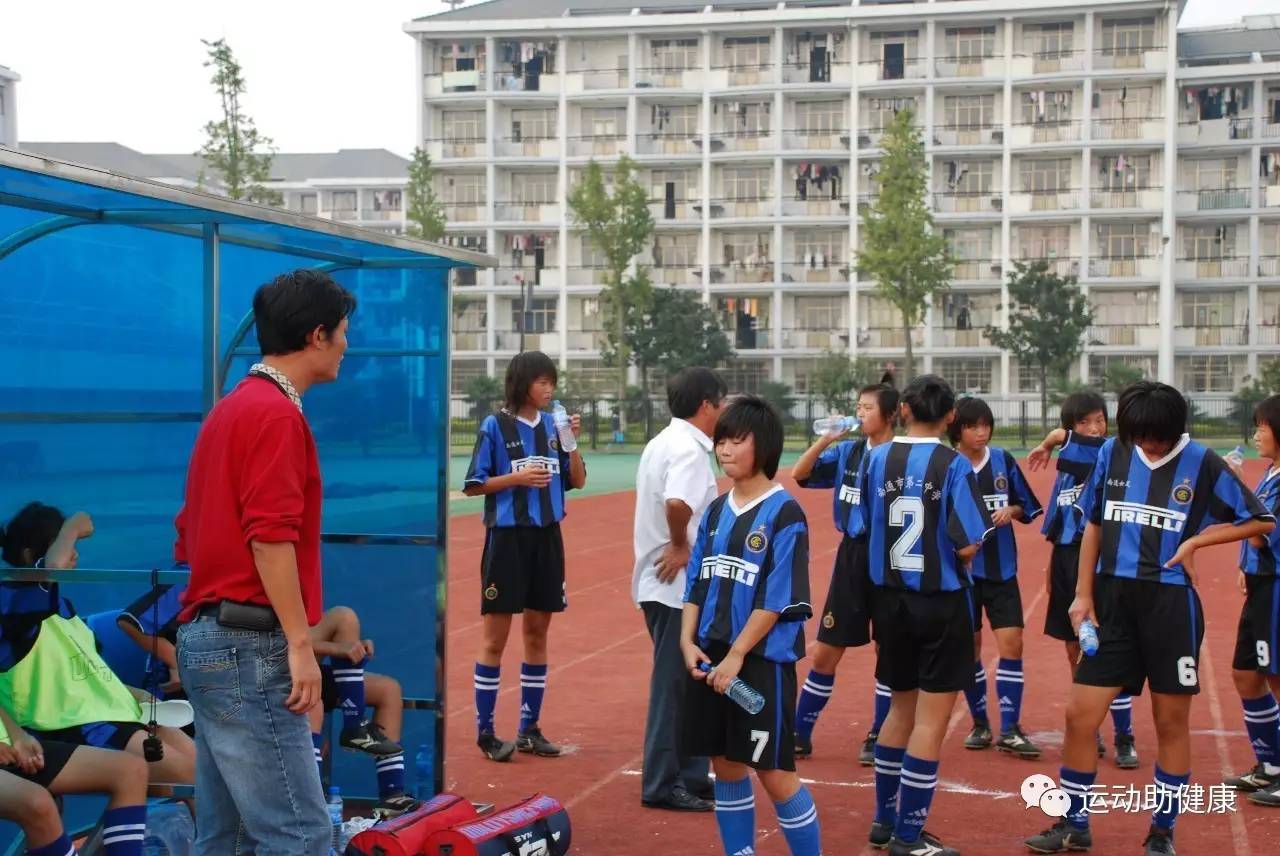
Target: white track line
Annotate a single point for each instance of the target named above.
(625, 769)
(1239, 829)
(576, 593)
(943, 785)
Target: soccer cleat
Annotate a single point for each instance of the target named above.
(804, 746)
(1060, 838)
(979, 737)
(1126, 752)
(394, 806)
(495, 749)
(369, 738)
(925, 845)
(1269, 797)
(1256, 779)
(1102, 747)
(1015, 742)
(882, 833)
(1159, 843)
(532, 742)
(867, 756)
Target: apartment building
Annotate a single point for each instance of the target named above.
(8, 107)
(1093, 135)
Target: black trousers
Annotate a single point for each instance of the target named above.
(664, 765)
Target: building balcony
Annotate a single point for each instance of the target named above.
(470, 340)
(379, 214)
(1028, 63)
(590, 79)
(509, 340)
(451, 148)
(598, 145)
(740, 207)
(968, 135)
(817, 270)
(1124, 267)
(526, 274)
(508, 81)
(974, 336)
(968, 202)
(585, 275)
(1212, 199)
(1145, 336)
(742, 74)
(669, 77)
(454, 82)
(1270, 130)
(1215, 131)
(1037, 133)
(1267, 334)
(527, 147)
(1063, 266)
(677, 209)
(1223, 267)
(1154, 58)
(834, 337)
(1269, 196)
(801, 138)
(587, 340)
(875, 70)
(1135, 128)
(1269, 266)
(669, 143)
(742, 272)
(759, 338)
(804, 71)
(1037, 201)
(969, 66)
(977, 270)
(742, 141)
(816, 205)
(675, 274)
(464, 212)
(1140, 198)
(469, 277)
(889, 337)
(527, 211)
(1217, 336)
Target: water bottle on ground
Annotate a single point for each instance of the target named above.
(170, 830)
(1088, 635)
(335, 817)
(564, 427)
(1235, 457)
(740, 693)
(422, 766)
(835, 425)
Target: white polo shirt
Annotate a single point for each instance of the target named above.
(675, 465)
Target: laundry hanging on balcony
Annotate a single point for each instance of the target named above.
(956, 173)
(814, 175)
(1269, 164)
(1217, 102)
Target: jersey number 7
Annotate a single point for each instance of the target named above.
(907, 512)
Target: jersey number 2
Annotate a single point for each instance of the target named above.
(907, 512)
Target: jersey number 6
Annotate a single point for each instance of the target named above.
(907, 512)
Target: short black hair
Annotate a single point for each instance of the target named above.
(33, 528)
(1078, 405)
(929, 398)
(753, 415)
(689, 387)
(1267, 411)
(524, 368)
(886, 399)
(970, 411)
(1149, 410)
(289, 307)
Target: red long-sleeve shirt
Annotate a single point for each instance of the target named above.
(253, 476)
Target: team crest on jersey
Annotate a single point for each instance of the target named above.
(491, 593)
(1183, 493)
(756, 541)
(828, 621)
(554, 443)
(1002, 483)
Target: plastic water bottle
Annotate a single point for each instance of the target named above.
(335, 817)
(1235, 457)
(1088, 635)
(564, 427)
(422, 766)
(740, 692)
(835, 425)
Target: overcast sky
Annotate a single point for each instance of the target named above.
(322, 74)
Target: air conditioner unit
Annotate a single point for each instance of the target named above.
(997, 202)
(997, 135)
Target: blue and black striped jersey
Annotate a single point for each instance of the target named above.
(1062, 523)
(507, 444)
(1148, 508)
(1002, 484)
(1261, 561)
(752, 558)
(837, 467)
(920, 503)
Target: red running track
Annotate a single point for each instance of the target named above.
(598, 688)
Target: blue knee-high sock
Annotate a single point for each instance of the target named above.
(1122, 714)
(1009, 691)
(1169, 798)
(317, 742)
(888, 779)
(1262, 722)
(736, 816)
(814, 696)
(61, 847)
(348, 679)
(798, 818)
(976, 694)
(533, 684)
(1077, 785)
(919, 779)
(123, 830)
(486, 683)
(884, 698)
(390, 776)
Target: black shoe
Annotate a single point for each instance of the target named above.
(1102, 747)
(531, 741)
(804, 746)
(1015, 742)
(368, 738)
(1269, 797)
(1126, 752)
(867, 757)
(703, 791)
(1257, 779)
(882, 833)
(1159, 843)
(495, 749)
(925, 845)
(680, 800)
(394, 806)
(979, 737)
(1060, 838)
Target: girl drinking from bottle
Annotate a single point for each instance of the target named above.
(746, 600)
(522, 470)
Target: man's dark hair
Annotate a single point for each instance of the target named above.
(1149, 410)
(754, 416)
(522, 371)
(33, 528)
(1267, 412)
(689, 387)
(970, 411)
(288, 308)
(886, 399)
(929, 398)
(1078, 405)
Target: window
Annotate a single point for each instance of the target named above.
(748, 118)
(1269, 307)
(960, 310)
(1045, 175)
(534, 124)
(1208, 309)
(542, 315)
(1028, 377)
(820, 117)
(1130, 36)
(1208, 373)
(1124, 240)
(968, 177)
(1041, 107)
(592, 316)
(969, 245)
(971, 43)
(1211, 173)
(685, 183)
(307, 203)
(746, 320)
(880, 111)
(748, 183)
(604, 121)
(462, 374)
(1044, 242)
(876, 313)
(462, 126)
(533, 188)
(591, 255)
(1099, 363)
(675, 120)
(966, 374)
(674, 54)
(820, 313)
(679, 250)
(1209, 242)
(1050, 40)
(342, 200)
(460, 56)
(820, 248)
(970, 111)
(1127, 102)
(386, 200)
(471, 316)
(1124, 172)
(745, 375)
(1125, 308)
(463, 189)
(747, 247)
(748, 52)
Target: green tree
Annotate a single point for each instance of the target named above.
(1118, 376)
(904, 256)
(780, 396)
(1048, 317)
(836, 379)
(481, 393)
(615, 215)
(425, 213)
(674, 329)
(233, 149)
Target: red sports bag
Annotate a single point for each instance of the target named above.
(407, 834)
(538, 826)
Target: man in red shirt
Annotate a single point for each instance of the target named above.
(250, 530)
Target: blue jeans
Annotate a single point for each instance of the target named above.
(257, 787)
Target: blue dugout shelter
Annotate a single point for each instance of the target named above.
(125, 314)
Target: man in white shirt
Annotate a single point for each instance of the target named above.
(674, 486)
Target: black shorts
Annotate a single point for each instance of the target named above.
(100, 735)
(1258, 635)
(56, 756)
(715, 727)
(1001, 600)
(1147, 632)
(924, 641)
(328, 688)
(1064, 568)
(846, 616)
(522, 568)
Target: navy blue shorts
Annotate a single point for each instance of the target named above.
(100, 735)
